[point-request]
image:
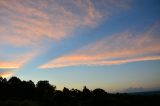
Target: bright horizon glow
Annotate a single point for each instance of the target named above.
(108, 44)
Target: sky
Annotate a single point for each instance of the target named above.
(108, 44)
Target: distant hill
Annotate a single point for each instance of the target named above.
(146, 93)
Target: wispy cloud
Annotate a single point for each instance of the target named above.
(60, 62)
(28, 22)
(18, 62)
(116, 49)
(8, 65)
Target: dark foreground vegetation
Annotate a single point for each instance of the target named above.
(14, 92)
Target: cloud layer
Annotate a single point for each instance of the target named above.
(29, 22)
(116, 49)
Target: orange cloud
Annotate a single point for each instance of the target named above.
(116, 49)
(9, 65)
(6, 74)
(18, 62)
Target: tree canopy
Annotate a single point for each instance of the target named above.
(15, 92)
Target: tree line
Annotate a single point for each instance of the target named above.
(15, 92)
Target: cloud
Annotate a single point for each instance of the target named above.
(9, 66)
(61, 62)
(19, 61)
(6, 73)
(120, 48)
(29, 22)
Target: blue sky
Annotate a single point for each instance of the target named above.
(109, 44)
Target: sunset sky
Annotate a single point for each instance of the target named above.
(108, 44)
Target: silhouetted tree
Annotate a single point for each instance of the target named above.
(29, 90)
(66, 91)
(66, 94)
(1, 78)
(4, 80)
(15, 92)
(45, 90)
(99, 92)
(86, 92)
(75, 92)
(15, 86)
(44, 86)
(14, 81)
(58, 96)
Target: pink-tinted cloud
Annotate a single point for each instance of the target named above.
(65, 63)
(116, 49)
(28, 22)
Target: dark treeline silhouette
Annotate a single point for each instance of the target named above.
(14, 92)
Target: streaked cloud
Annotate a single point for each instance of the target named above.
(15, 64)
(116, 49)
(18, 62)
(9, 64)
(29, 22)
